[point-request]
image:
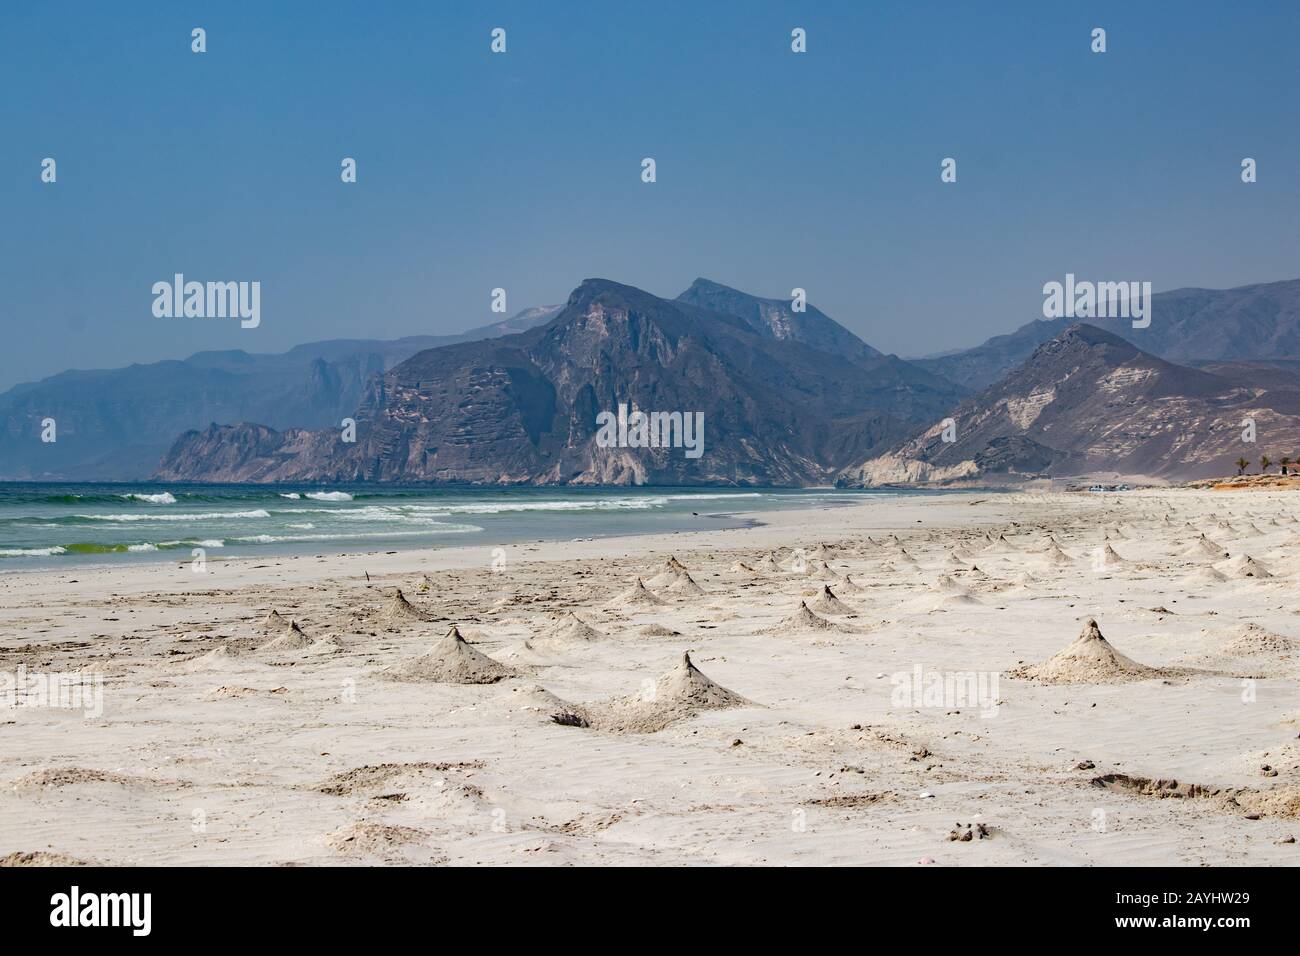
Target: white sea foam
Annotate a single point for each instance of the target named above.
(31, 552)
(163, 498)
(210, 516)
(289, 538)
(329, 496)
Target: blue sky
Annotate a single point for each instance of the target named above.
(522, 170)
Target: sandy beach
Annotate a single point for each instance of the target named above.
(910, 681)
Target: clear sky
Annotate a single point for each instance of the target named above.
(522, 170)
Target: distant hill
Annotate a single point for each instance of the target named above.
(1088, 400)
(1254, 322)
(115, 424)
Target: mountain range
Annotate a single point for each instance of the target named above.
(788, 397)
(522, 409)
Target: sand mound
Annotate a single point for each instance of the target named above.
(1090, 659)
(657, 630)
(40, 858)
(802, 620)
(821, 571)
(740, 567)
(679, 694)
(637, 596)
(383, 840)
(683, 585)
(827, 603)
(1109, 558)
(1251, 640)
(424, 585)
(452, 661)
(768, 563)
(537, 700)
(55, 778)
(1055, 557)
(1281, 802)
(293, 639)
(671, 570)
(1244, 566)
(1203, 546)
(273, 623)
(401, 611)
(846, 585)
(374, 780)
(1203, 576)
(568, 631)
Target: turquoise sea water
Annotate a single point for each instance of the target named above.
(44, 525)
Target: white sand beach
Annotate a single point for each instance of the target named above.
(736, 697)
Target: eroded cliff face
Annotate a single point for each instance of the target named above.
(1088, 400)
(523, 408)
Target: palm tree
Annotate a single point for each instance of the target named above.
(1241, 465)
(1264, 462)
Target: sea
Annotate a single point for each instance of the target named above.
(60, 525)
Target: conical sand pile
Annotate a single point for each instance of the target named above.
(1056, 558)
(273, 623)
(801, 620)
(740, 567)
(1203, 546)
(683, 586)
(1244, 566)
(768, 563)
(846, 585)
(401, 611)
(1090, 659)
(1109, 558)
(568, 631)
(679, 694)
(637, 597)
(827, 603)
(452, 661)
(293, 639)
(821, 571)
(670, 572)
(1205, 576)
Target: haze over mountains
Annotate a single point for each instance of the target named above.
(1254, 323)
(788, 398)
(115, 424)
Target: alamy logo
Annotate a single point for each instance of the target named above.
(103, 909)
(1098, 300)
(209, 300)
(639, 429)
(949, 690)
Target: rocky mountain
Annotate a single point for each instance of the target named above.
(1088, 400)
(777, 319)
(115, 424)
(1188, 326)
(524, 408)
